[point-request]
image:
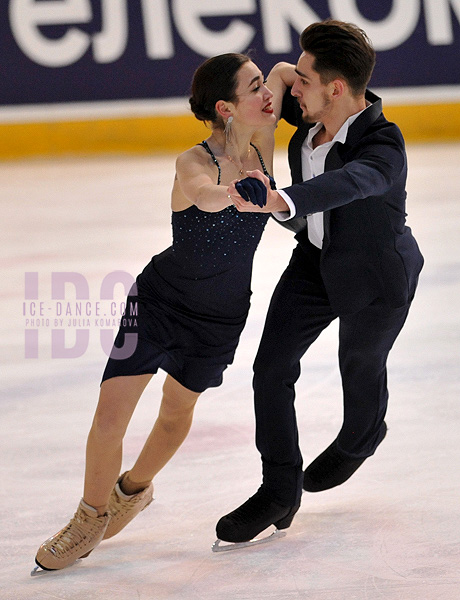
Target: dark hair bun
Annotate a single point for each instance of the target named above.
(202, 112)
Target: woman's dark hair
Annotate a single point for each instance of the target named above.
(340, 50)
(215, 79)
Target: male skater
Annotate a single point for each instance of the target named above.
(355, 261)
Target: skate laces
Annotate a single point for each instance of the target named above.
(119, 504)
(80, 527)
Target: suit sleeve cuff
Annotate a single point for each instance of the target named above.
(284, 216)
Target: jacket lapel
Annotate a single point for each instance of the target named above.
(295, 152)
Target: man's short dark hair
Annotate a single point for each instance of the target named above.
(340, 50)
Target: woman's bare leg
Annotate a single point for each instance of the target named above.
(117, 400)
(170, 430)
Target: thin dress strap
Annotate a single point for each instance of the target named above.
(261, 160)
(205, 145)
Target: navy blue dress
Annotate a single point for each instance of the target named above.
(189, 305)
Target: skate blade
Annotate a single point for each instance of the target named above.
(217, 547)
(37, 571)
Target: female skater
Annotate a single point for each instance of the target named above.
(191, 302)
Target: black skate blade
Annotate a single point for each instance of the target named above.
(220, 546)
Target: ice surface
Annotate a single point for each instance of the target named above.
(392, 532)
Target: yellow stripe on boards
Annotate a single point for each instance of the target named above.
(427, 122)
(130, 135)
(419, 123)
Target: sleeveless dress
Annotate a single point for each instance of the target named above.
(188, 307)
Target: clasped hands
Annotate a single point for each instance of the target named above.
(255, 194)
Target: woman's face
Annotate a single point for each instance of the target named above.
(253, 105)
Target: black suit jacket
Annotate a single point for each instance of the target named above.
(368, 251)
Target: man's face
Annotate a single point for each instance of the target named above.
(311, 94)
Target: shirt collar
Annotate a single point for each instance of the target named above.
(340, 136)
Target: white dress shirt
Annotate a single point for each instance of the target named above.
(313, 161)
